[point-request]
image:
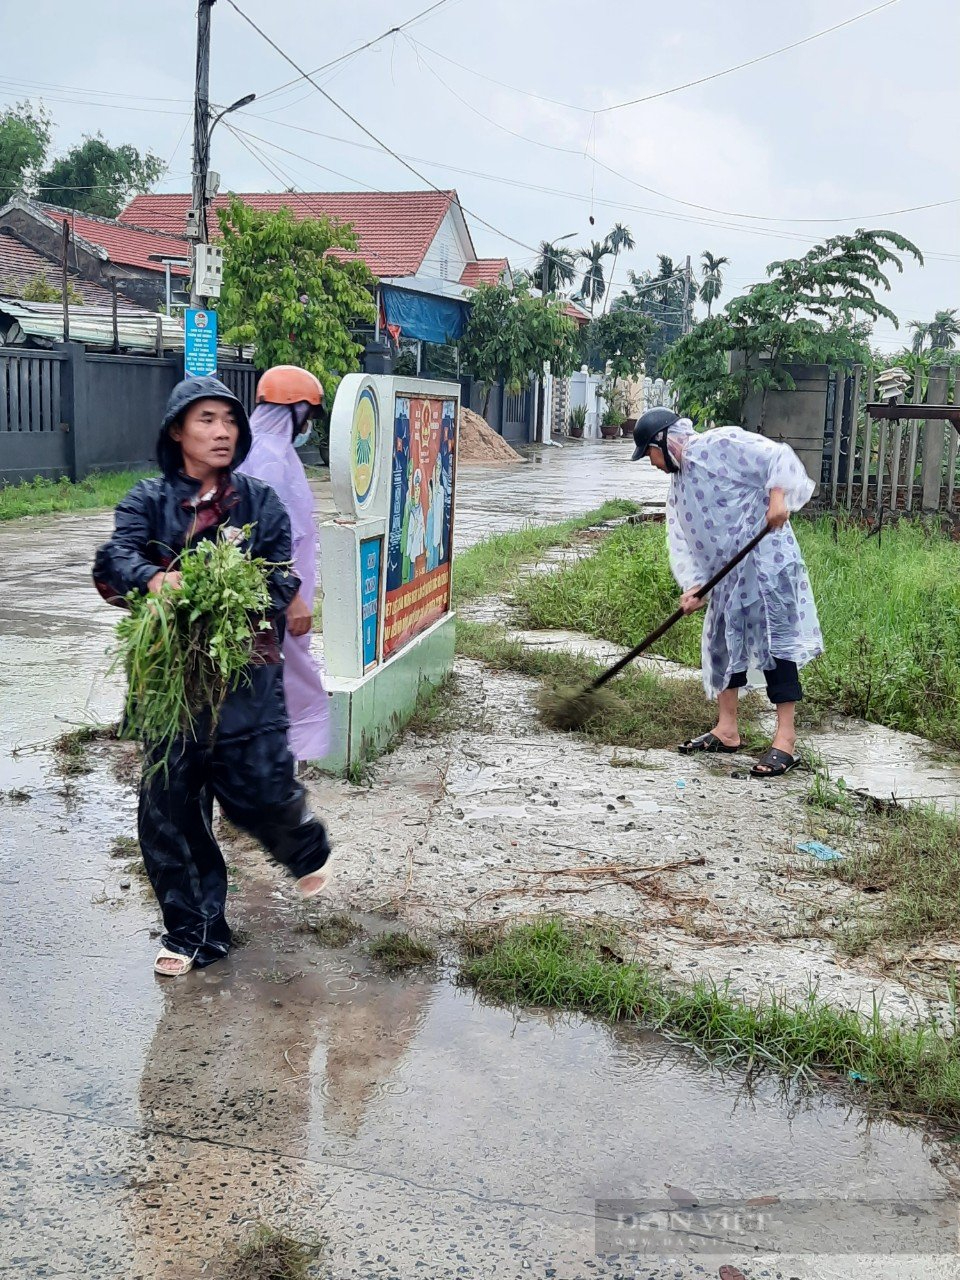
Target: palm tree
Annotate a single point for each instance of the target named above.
(712, 278)
(618, 237)
(921, 332)
(594, 284)
(555, 267)
(943, 330)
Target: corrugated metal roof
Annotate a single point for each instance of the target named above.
(137, 330)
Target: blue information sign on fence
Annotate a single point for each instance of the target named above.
(370, 549)
(200, 343)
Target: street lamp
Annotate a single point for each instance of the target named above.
(205, 184)
(234, 106)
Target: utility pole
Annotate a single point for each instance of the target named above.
(197, 218)
(687, 290)
(65, 280)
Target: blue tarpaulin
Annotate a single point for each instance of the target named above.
(424, 316)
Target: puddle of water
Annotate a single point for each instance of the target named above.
(889, 765)
(399, 1116)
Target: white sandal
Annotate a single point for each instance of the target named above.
(185, 963)
(309, 886)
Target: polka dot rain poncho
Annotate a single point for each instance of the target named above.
(718, 500)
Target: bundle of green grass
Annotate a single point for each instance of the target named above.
(185, 649)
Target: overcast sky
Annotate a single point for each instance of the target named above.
(815, 141)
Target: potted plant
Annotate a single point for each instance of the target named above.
(577, 421)
(626, 429)
(611, 422)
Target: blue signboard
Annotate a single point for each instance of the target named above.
(370, 549)
(200, 343)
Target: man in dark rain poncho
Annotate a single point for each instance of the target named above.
(246, 764)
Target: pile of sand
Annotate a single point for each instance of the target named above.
(480, 443)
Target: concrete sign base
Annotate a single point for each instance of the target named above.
(366, 713)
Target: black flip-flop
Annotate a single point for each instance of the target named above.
(777, 764)
(709, 743)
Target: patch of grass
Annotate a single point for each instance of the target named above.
(491, 565)
(71, 748)
(647, 710)
(360, 772)
(441, 711)
(890, 614)
(136, 868)
(550, 964)
(271, 1255)
(396, 951)
(124, 847)
(906, 857)
(280, 976)
(336, 929)
(40, 497)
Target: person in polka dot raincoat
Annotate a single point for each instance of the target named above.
(725, 483)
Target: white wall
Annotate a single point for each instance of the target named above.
(583, 390)
(450, 251)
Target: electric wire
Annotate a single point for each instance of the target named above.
(677, 88)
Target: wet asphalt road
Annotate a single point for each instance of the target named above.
(144, 1128)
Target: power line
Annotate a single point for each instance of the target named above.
(662, 93)
(526, 186)
(373, 137)
(75, 88)
(417, 17)
(663, 195)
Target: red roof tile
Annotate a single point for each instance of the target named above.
(395, 228)
(576, 313)
(20, 264)
(484, 271)
(126, 245)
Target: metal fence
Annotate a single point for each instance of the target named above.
(69, 411)
(890, 466)
(29, 390)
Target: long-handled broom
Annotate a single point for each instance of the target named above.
(573, 708)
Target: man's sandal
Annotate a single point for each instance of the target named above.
(184, 964)
(309, 886)
(774, 763)
(709, 743)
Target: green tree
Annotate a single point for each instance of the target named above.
(95, 177)
(944, 330)
(556, 267)
(39, 289)
(619, 238)
(814, 309)
(510, 334)
(658, 296)
(285, 293)
(24, 139)
(712, 278)
(921, 332)
(594, 282)
(619, 338)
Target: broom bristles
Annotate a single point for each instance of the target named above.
(567, 707)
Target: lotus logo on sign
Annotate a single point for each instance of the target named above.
(363, 444)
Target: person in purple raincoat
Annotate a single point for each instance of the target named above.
(724, 485)
(288, 398)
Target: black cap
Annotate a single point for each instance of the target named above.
(186, 393)
(653, 423)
